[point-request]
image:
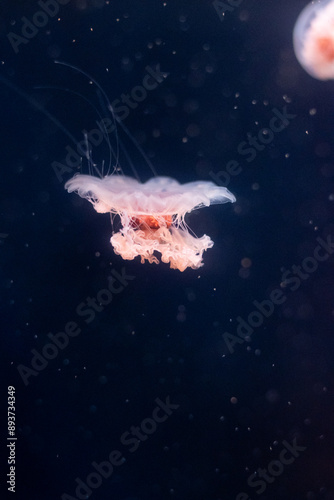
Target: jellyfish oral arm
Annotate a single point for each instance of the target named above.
(177, 246)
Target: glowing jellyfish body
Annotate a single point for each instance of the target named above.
(152, 215)
(313, 39)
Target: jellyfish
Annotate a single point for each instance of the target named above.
(152, 215)
(313, 39)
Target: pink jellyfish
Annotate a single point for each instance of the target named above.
(313, 39)
(152, 215)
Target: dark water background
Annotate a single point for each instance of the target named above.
(164, 334)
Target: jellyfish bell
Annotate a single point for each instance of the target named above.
(152, 215)
(313, 39)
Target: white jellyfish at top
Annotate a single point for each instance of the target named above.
(313, 39)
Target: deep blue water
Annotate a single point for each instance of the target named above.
(234, 97)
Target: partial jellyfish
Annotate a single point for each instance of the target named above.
(313, 39)
(152, 215)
